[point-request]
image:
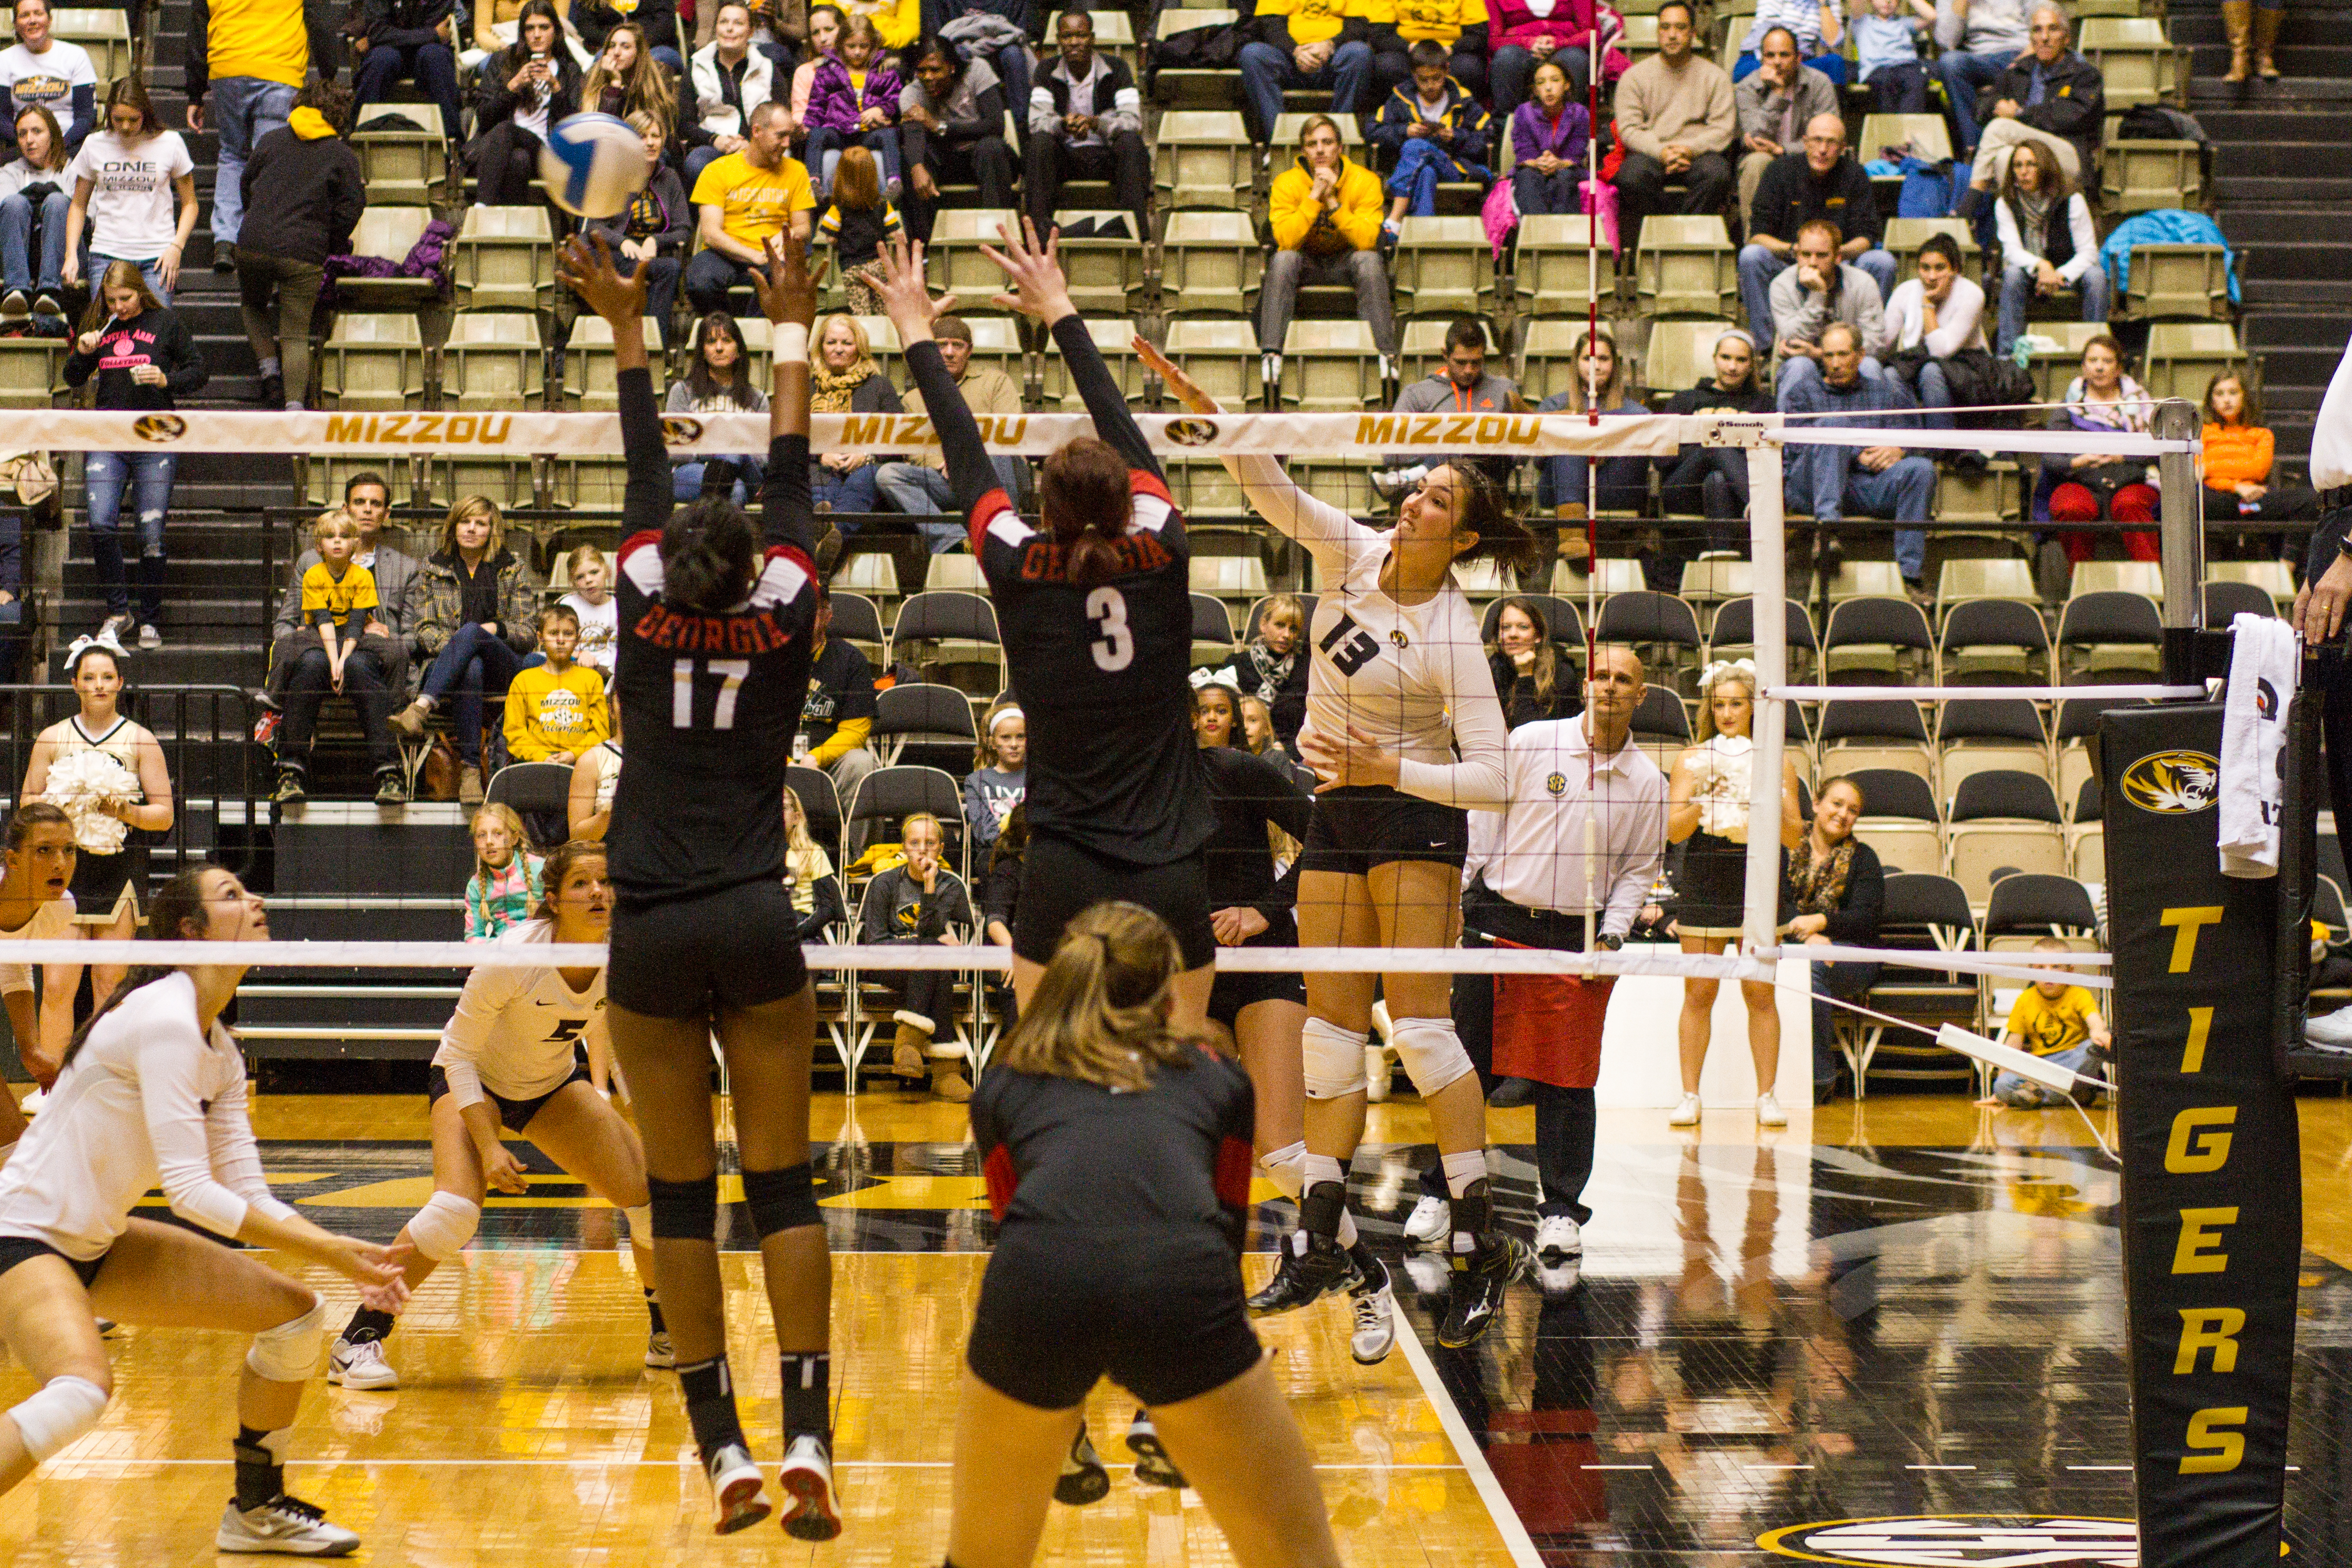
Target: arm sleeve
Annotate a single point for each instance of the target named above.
(969, 473)
(846, 737)
(2086, 239)
(1870, 315)
(1862, 211)
(646, 503)
(1640, 869)
(2014, 251)
(1042, 120)
(1125, 112)
(195, 66)
(1361, 202)
(825, 908)
(187, 372)
(1470, 140)
(346, 201)
(1106, 404)
(1857, 917)
(874, 908)
(85, 115)
(467, 1033)
(1289, 214)
(171, 1091)
(988, 116)
(235, 1157)
(523, 735)
(1325, 532)
(1480, 781)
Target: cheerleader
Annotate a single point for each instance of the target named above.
(1707, 814)
(509, 1056)
(1404, 728)
(152, 1094)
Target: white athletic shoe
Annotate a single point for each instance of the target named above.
(1558, 1235)
(1769, 1113)
(806, 1478)
(1559, 1278)
(660, 1351)
(1686, 1112)
(286, 1525)
(1374, 1335)
(735, 1489)
(361, 1365)
(1430, 1220)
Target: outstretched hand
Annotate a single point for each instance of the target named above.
(1188, 390)
(787, 287)
(1040, 290)
(906, 297)
(586, 267)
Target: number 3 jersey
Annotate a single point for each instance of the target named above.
(515, 1029)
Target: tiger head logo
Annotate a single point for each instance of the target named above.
(678, 431)
(2172, 783)
(159, 428)
(1192, 432)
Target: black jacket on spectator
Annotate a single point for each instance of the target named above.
(999, 886)
(1862, 905)
(595, 19)
(303, 199)
(2073, 103)
(1053, 76)
(495, 103)
(152, 337)
(403, 23)
(825, 908)
(1789, 197)
(1517, 692)
(1289, 707)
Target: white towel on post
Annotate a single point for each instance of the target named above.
(2254, 737)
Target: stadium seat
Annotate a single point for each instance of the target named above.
(493, 360)
(402, 167)
(1115, 339)
(2086, 851)
(539, 793)
(505, 479)
(1105, 271)
(2109, 637)
(1900, 820)
(592, 378)
(917, 724)
(1329, 367)
(1115, 37)
(820, 805)
(2144, 578)
(1249, 626)
(1928, 914)
(2176, 282)
(2137, 176)
(1926, 132)
(103, 33)
(1547, 358)
(1878, 641)
(1193, 86)
(1481, 581)
(1904, 236)
(959, 569)
(2033, 907)
(504, 260)
(1865, 580)
(1222, 356)
(1212, 631)
(2002, 820)
(950, 634)
(1984, 577)
(1553, 267)
(1994, 642)
(1341, 478)
(1686, 267)
(886, 794)
(2052, 368)
(882, 341)
(2076, 725)
(1876, 734)
(1422, 346)
(1994, 496)
(873, 573)
(1681, 354)
(957, 266)
(1211, 261)
(371, 362)
(1617, 575)
(1202, 158)
(31, 370)
(1732, 635)
(1659, 627)
(2275, 578)
(1442, 267)
(1986, 734)
(387, 234)
(2184, 356)
(1204, 491)
(1662, 727)
(2225, 600)
(856, 619)
(2139, 64)
(1233, 578)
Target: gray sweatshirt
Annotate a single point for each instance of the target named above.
(1992, 27)
(1799, 313)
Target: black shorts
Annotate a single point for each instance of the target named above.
(1363, 826)
(1161, 1313)
(14, 1250)
(686, 958)
(1239, 988)
(514, 1114)
(1060, 880)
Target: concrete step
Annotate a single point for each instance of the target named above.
(2289, 91)
(2304, 224)
(2271, 329)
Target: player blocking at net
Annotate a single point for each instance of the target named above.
(715, 631)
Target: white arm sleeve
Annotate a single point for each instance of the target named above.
(1481, 781)
(467, 1033)
(2014, 251)
(1329, 534)
(171, 1091)
(237, 1158)
(1956, 320)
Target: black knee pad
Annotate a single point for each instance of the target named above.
(780, 1200)
(685, 1210)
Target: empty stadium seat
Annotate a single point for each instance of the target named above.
(1202, 158)
(957, 266)
(1662, 727)
(592, 378)
(1881, 641)
(2274, 577)
(1663, 628)
(1330, 366)
(1211, 261)
(1115, 339)
(372, 362)
(1926, 132)
(2184, 356)
(1873, 733)
(1993, 496)
(1686, 267)
(493, 360)
(1547, 358)
(1616, 573)
(950, 637)
(2033, 907)
(1443, 266)
(1222, 357)
(2138, 63)
(2176, 282)
(873, 573)
(917, 724)
(1204, 490)
(996, 341)
(1929, 914)
(2109, 637)
(104, 34)
(1867, 580)
(1900, 820)
(1554, 267)
(1732, 635)
(1680, 354)
(1984, 577)
(1994, 642)
(1105, 270)
(958, 569)
(402, 167)
(2144, 578)
(1989, 734)
(2225, 600)
(2076, 725)
(1229, 577)
(1212, 631)
(1714, 576)
(504, 260)
(856, 620)
(2137, 176)
(2002, 820)
(31, 370)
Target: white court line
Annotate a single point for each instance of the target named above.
(1616, 1467)
(1775, 1467)
(1516, 1539)
(66, 1463)
(2123, 1468)
(1939, 1466)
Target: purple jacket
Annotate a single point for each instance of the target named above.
(834, 105)
(1532, 134)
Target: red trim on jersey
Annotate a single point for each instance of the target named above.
(635, 543)
(1002, 1182)
(1234, 1158)
(1142, 482)
(788, 553)
(985, 510)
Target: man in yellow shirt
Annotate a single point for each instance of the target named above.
(743, 200)
(1325, 211)
(1310, 44)
(251, 55)
(555, 711)
(2060, 1022)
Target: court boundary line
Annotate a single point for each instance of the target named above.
(1517, 1541)
(51, 1471)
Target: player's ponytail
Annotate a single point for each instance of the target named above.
(1100, 1013)
(709, 553)
(176, 914)
(1083, 495)
(1479, 508)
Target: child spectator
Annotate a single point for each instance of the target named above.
(858, 222)
(555, 711)
(1548, 133)
(917, 901)
(1000, 775)
(335, 586)
(717, 380)
(2060, 1022)
(1435, 130)
(504, 887)
(808, 872)
(1886, 51)
(599, 613)
(2239, 458)
(854, 98)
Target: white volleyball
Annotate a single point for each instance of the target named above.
(593, 165)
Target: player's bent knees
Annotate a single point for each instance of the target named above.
(289, 1352)
(1431, 1052)
(1333, 1058)
(61, 1410)
(685, 1210)
(444, 1226)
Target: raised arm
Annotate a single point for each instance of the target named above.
(909, 301)
(787, 291)
(586, 267)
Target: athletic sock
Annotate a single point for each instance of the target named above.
(709, 1394)
(1463, 1169)
(653, 1311)
(260, 1469)
(1316, 1170)
(1346, 1234)
(368, 1325)
(1286, 1168)
(808, 1395)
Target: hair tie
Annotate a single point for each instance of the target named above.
(1223, 677)
(1724, 669)
(1007, 712)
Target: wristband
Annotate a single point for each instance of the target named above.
(790, 343)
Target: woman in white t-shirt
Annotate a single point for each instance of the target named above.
(34, 199)
(600, 614)
(125, 180)
(36, 904)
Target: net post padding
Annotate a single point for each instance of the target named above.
(2182, 539)
(1767, 550)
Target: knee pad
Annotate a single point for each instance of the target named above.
(1431, 1050)
(1333, 1058)
(780, 1200)
(641, 1223)
(443, 1227)
(61, 1410)
(289, 1352)
(685, 1210)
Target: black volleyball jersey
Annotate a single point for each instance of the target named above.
(1250, 791)
(710, 703)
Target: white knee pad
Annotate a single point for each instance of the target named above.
(289, 1352)
(62, 1410)
(443, 1227)
(641, 1223)
(1431, 1052)
(1334, 1059)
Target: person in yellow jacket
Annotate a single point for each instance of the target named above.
(250, 56)
(1326, 216)
(555, 711)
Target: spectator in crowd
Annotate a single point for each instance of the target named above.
(858, 221)
(627, 79)
(556, 709)
(1458, 28)
(995, 32)
(1305, 45)
(1777, 102)
(497, 24)
(1460, 383)
(1886, 54)
(41, 70)
(1817, 289)
(390, 631)
(1836, 894)
(845, 380)
(1675, 119)
(346, 649)
(2239, 485)
(854, 100)
(303, 196)
(1523, 38)
(652, 230)
(824, 26)
(725, 79)
(475, 620)
(896, 23)
(522, 90)
(1876, 481)
(251, 56)
(412, 39)
(2048, 242)
(504, 887)
(2061, 1023)
(839, 713)
(1565, 485)
(717, 380)
(595, 777)
(1548, 133)
(1259, 738)
(998, 776)
(745, 198)
(1000, 903)
(1818, 182)
(1532, 681)
(2051, 94)
(34, 197)
(144, 359)
(125, 180)
(1086, 122)
(1325, 212)
(2253, 32)
(2088, 486)
(952, 128)
(1271, 666)
(1435, 131)
(595, 609)
(654, 21)
(917, 486)
(919, 900)
(1712, 481)
(818, 903)
(1975, 42)
(1929, 319)
(1814, 27)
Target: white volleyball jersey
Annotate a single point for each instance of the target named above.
(53, 921)
(1414, 678)
(148, 1101)
(515, 1029)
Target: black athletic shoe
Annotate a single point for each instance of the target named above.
(1305, 1276)
(1083, 1478)
(1478, 1280)
(1153, 1467)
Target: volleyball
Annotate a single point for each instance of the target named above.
(591, 165)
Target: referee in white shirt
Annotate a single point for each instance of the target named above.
(1573, 782)
(2320, 609)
